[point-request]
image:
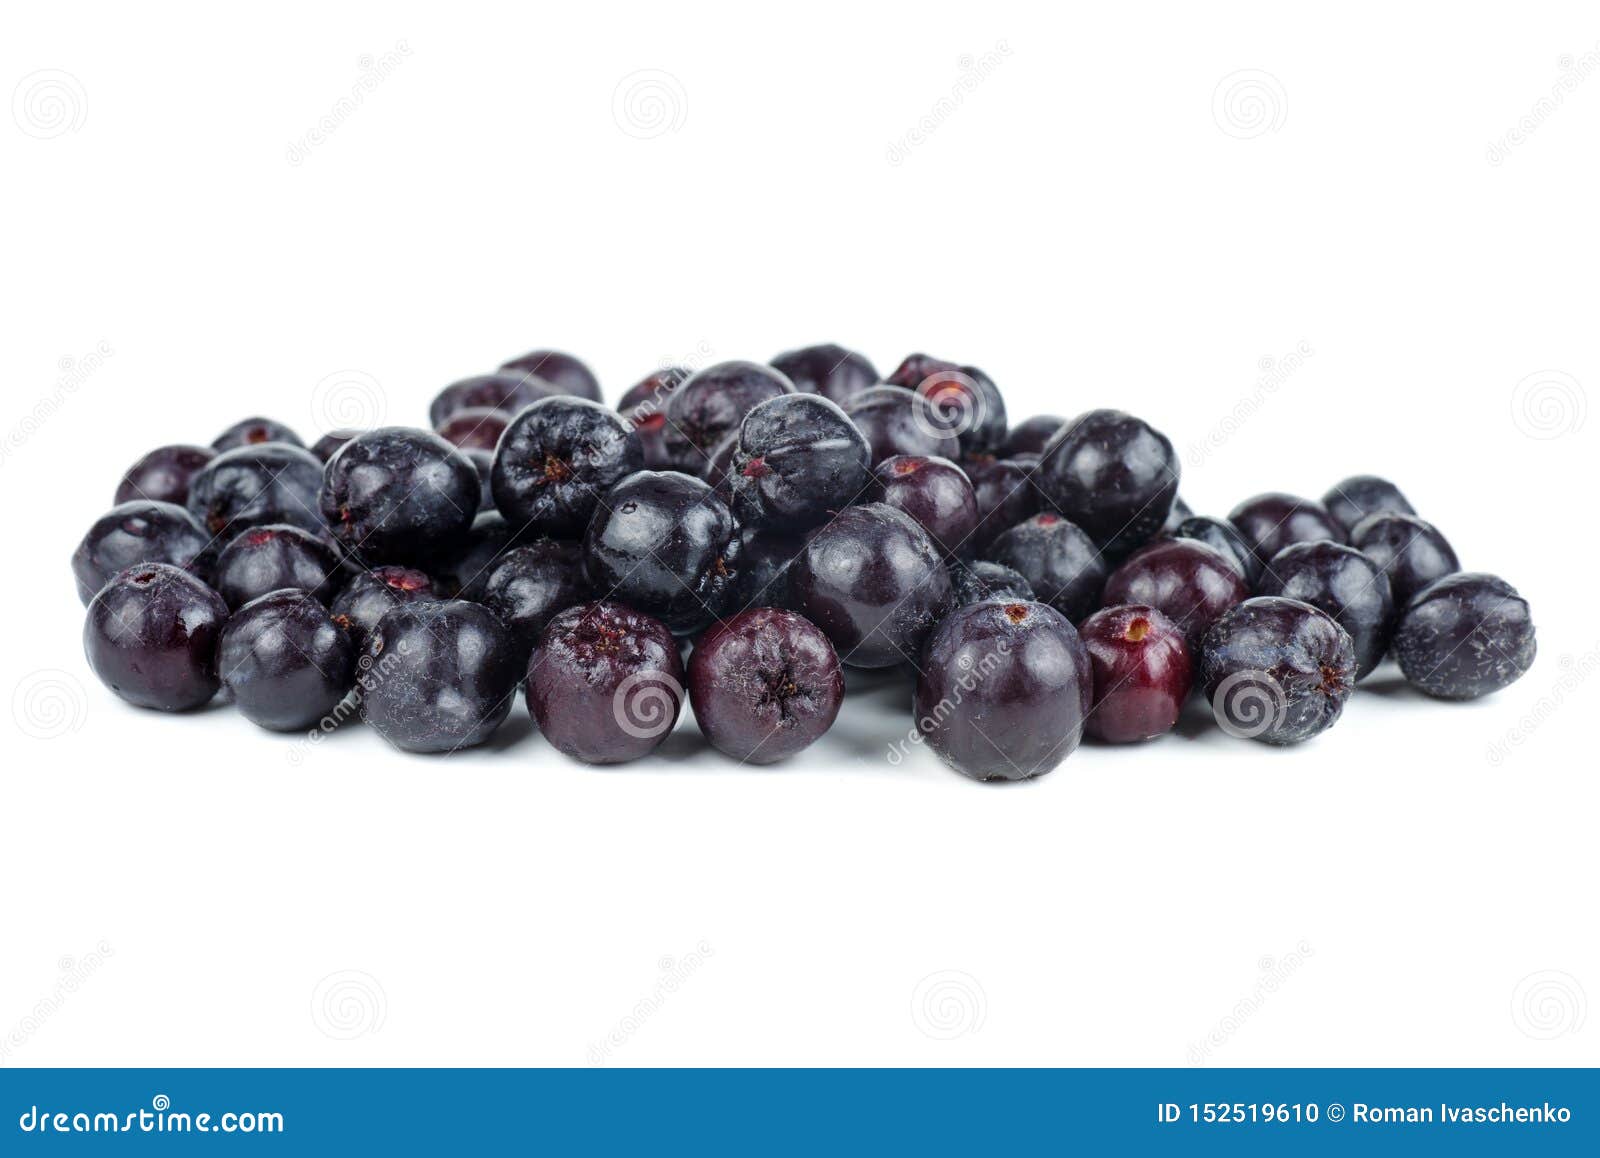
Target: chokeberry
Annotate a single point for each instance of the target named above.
(151, 637)
(328, 445)
(566, 373)
(1059, 561)
(557, 460)
(1113, 475)
(254, 432)
(964, 398)
(140, 532)
(1142, 673)
(936, 493)
(645, 405)
(764, 560)
(370, 594)
(1005, 496)
(898, 421)
(530, 584)
(1464, 636)
(254, 485)
(508, 391)
(1361, 495)
(710, 406)
(1004, 690)
(272, 558)
(765, 685)
(1222, 537)
(1277, 670)
(1187, 581)
(163, 475)
(1346, 584)
(475, 428)
(285, 661)
(1411, 552)
(832, 371)
(463, 571)
(976, 581)
(1270, 522)
(1030, 435)
(395, 495)
(798, 459)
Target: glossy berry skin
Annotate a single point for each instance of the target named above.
(663, 543)
(974, 582)
(897, 421)
(709, 407)
(1030, 435)
(1361, 495)
(1113, 475)
(1059, 561)
(254, 432)
(1221, 536)
(566, 373)
(605, 684)
(1004, 495)
(369, 595)
(798, 459)
(395, 495)
(717, 471)
(328, 445)
(1184, 579)
(1347, 585)
(475, 428)
(151, 637)
(437, 676)
(254, 485)
(1411, 552)
(1176, 516)
(272, 558)
(936, 493)
(964, 397)
(285, 661)
(832, 371)
(874, 582)
(645, 405)
(139, 532)
(764, 561)
(1142, 673)
(1276, 670)
(1271, 522)
(163, 475)
(1004, 690)
(463, 571)
(558, 459)
(530, 584)
(1464, 636)
(765, 685)
(507, 391)
(483, 462)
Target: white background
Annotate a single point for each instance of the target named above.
(1112, 216)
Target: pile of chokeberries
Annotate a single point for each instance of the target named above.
(737, 536)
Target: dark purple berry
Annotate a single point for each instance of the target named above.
(798, 459)
(563, 371)
(1004, 690)
(1271, 522)
(463, 572)
(328, 445)
(151, 636)
(1030, 435)
(1361, 495)
(874, 582)
(1222, 537)
(1113, 475)
(963, 397)
(974, 582)
(1347, 585)
(1142, 673)
(475, 428)
(255, 485)
(508, 391)
(663, 543)
(1411, 552)
(832, 371)
(396, 495)
(1187, 581)
(1059, 561)
(368, 596)
(483, 462)
(764, 561)
(710, 406)
(435, 677)
(273, 558)
(254, 432)
(717, 471)
(645, 405)
(1005, 496)
(529, 585)
(1464, 636)
(936, 493)
(1179, 513)
(163, 475)
(140, 532)
(285, 661)
(557, 460)
(897, 421)
(605, 684)
(1276, 670)
(765, 685)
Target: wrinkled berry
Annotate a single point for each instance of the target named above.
(140, 532)
(163, 475)
(1347, 585)
(1276, 670)
(151, 637)
(558, 459)
(285, 661)
(395, 495)
(1142, 673)
(1464, 636)
(798, 459)
(1059, 561)
(1411, 552)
